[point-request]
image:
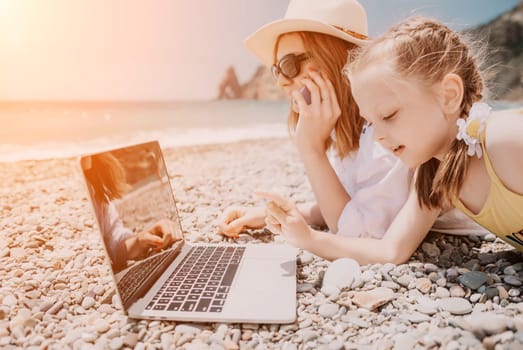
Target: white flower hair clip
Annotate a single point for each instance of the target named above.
(470, 129)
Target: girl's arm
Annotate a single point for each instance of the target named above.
(401, 239)
(237, 219)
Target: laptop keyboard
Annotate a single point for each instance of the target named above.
(201, 282)
(135, 277)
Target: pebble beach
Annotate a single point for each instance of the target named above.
(456, 292)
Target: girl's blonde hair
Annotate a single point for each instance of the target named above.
(426, 50)
(330, 54)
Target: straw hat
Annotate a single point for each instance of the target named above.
(344, 19)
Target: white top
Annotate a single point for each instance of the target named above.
(113, 230)
(378, 184)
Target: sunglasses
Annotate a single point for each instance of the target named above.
(289, 65)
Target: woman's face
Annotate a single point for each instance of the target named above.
(292, 44)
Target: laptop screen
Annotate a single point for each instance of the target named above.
(133, 202)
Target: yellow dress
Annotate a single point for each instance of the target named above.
(502, 213)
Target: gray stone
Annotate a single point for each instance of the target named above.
(510, 270)
(512, 280)
(452, 274)
(429, 267)
(491, 292)
(473, 279)
(430, 249)
(487, 258)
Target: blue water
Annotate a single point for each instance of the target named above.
(56, 130)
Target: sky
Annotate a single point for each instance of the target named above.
(161, 49)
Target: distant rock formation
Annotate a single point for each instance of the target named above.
(504, 39)
(229, 86)
(260, 87)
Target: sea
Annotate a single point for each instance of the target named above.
(45, 130)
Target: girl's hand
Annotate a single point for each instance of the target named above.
(317, 119)
(284, 218)
(236, 219)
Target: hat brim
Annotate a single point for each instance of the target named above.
(261, 43)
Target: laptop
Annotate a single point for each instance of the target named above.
(157, 273)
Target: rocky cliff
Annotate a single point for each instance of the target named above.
(503, 38)
(260, 87)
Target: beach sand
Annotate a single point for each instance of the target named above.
(56, 291)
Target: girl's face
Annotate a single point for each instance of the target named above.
(292, 44)
(407, 117)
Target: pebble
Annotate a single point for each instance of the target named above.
(88, 302)
(374, 298)
(423, 285)
(512, 280)
(456, 306)
(456, 291)
(330, 291)
(102, 326)
(430, 249)
(306, 258)
(473, 279)
(341, 273)
(304, 287)
(116, 343)
(487, 322)
(442, 292)
(328, 310)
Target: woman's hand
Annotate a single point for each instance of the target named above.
(159, 236)
(317, 119)
(237, 219)
(283, 217)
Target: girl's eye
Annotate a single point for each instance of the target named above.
(390, 116)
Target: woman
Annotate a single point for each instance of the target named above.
(358, 185)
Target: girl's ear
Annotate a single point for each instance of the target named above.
(452, 89)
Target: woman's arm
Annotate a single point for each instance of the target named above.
(312, 213)
(315, 124)
(329, 192)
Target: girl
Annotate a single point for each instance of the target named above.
(362, 187)
(421, 89)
